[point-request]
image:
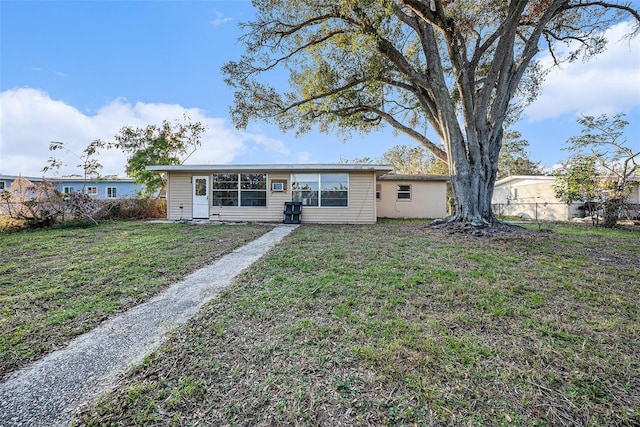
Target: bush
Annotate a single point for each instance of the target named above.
(124, 209)
(9, 224)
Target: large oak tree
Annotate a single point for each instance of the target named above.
(459, 67)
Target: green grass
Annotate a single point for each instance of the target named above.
(56, 284)
(396, 324)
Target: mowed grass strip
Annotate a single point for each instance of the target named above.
(56, 284)
(395, 324)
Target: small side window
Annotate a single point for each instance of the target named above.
(404, 192)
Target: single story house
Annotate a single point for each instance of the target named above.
(412, 196)
(104, 188)
(327, 193)
(533, 197)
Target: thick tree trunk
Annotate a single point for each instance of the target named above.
(473, 192)
(473, 176)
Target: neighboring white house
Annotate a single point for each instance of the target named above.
(533, 197)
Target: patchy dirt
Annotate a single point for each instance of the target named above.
(460, 227)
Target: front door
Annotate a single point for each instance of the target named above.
(200, 197)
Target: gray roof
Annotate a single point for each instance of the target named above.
(417, 177)
(303, 167)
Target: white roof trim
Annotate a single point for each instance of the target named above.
(310, 167)
(544, 178)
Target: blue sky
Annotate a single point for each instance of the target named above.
(75, 71)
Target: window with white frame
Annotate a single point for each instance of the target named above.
(404, 192)
(378, 191)
(324, 189)
(112, 193)
(3, 185)
(67, 189)
(92, 191)
(239, 189)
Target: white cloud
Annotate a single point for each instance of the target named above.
(609, 83)
(219, 19)
(303, 157)
(31, 120)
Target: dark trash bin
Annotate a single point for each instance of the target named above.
(292, 212)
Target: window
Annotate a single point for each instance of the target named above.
(326, 189)
(244, 189)
(112, 193)
(2, 185)
(305, 188)
(92, 191)
(404, 192)
(225, 189)
(67, 190)
(253, 189)
(334, 189)
(201, 187)
(378, 191)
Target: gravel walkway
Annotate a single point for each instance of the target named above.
(48, 392)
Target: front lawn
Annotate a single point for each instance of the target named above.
(397, 324)
(56, 284)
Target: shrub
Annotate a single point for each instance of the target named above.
(124, 209)
(8, 224)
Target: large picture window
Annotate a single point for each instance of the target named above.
(253, 189)
(239, 189)
(325, 189)
(225, 189)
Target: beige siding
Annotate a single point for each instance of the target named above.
(361, 209)
(179, 193)
(428, 199)
(273, 212)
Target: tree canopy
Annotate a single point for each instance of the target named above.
(514, 158)
(407, 159)
(164, 144)
(600, 168)
(460, 68)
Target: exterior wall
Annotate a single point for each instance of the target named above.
(124, 187)
(271, 213)
(362, 204)
(537, 210)
(634, 195)
(532, 198)
(428, 199)
(179, 194)
(361, 207)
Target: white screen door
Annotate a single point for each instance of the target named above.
(200, 197)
